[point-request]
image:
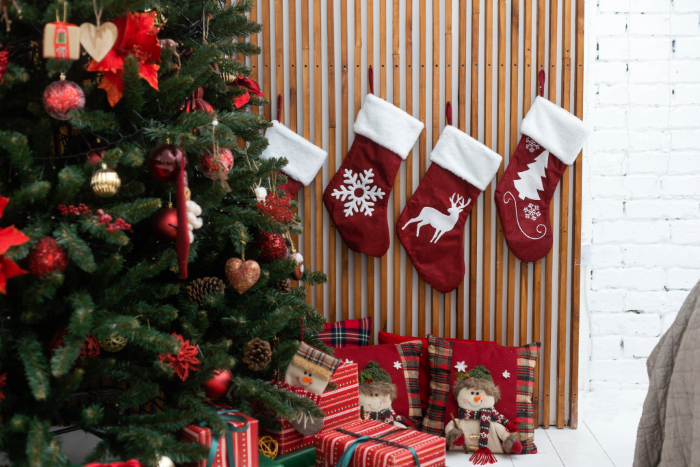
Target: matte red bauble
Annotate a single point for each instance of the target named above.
(272, 247)
(164, 162)
(208, 166)
(91, 347)
(46, 257)
(60, 97)
(218, 385)
(164, 224)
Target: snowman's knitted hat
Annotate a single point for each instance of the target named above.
(478, 378)
(478, 372)
(373, 373)
(315, 362)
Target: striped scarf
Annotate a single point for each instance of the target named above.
(485, 416)
(387, 416)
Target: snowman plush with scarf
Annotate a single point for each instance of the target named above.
(377, 393)
(479, 424)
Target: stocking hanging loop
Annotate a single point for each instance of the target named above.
(279, 108)
(448, 112)
(370, 79)
(542, 76)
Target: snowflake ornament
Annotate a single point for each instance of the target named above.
(461, 367)
(506, 375)
(397, 365)
(530, 145)
(532, 211)
(359, 192)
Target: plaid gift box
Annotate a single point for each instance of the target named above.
(341, 405)
(238, 447)
(388, 446)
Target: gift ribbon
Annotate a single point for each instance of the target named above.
(347, 455)
(227, 416)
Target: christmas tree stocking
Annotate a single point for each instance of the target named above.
(304, 158)
(308, 375)
(551, 140)
(431, 226)
(357, 196)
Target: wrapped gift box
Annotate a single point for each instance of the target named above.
(245, 443)
(61, 41)
(341, 405)
(331, 445)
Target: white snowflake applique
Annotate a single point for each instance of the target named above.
(397, 365)
(347, 360)
(364, 199)
(532, 211)
(461, 367)
(506, 375)
(530, 145)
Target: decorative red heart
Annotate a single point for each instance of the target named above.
(242, 274)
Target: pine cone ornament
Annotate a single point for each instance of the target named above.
(205, 286)
(257, 354)
(284, 286)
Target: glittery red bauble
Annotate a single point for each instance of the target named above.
(164, 162)
(60, 97)
(164, 224)
(272, 247)
(208, 167)
(91, 347)
(218, 385)
(46, 257)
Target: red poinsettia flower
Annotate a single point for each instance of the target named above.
(9, 236)
(184, 361)
(250, 85)
(3, 377)
(138, 37)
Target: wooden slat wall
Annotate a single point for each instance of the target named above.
(501, 298)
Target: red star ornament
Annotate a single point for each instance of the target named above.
(184, 361)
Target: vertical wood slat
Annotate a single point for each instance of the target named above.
(576, 226)
(527, 97)
(462, 120)
(359, 73)
(448, 98)
(330, 38)
(344, 142)
(409, 158)
(306, 131)
(435, 309)
(254, 59)
(422, 143)
(474, 131)
(266, 55)
(501, 143)
(395, 63)
(318, 141)
(488, 141)
(384, 260)
(279, 55)
(371, 259)
(293, 88)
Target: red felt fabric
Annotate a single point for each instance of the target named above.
(424, 369)
(385, 355)
(292, 187)
(420, 226)
(529, 236)
(362, 232)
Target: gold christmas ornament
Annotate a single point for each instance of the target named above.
(105, 182)
(268, 447)
(114, 343)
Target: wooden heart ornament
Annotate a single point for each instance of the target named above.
(98, 40)
(242, 274)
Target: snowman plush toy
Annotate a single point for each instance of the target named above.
(377, 393)
(308, 375)
(479, 424)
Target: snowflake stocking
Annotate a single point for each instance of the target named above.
(304, 159)
(551, 140)
(357, 196)
(431, 226)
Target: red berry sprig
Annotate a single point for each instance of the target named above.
(106, 219)
(68, 210)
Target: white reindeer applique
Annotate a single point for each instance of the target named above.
(440, 222)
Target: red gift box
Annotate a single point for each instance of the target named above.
(342, 405)
(245, 443)
(331, 445)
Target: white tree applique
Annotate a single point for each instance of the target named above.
(530, 181)
(359, 192)
(532, 211)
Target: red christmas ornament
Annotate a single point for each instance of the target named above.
(184, 361)
(250, 85)
(276, 207)
(208, 166)
(196, 102)
(164, 162)
(46, 257)
(60, 97)
(272, 247)
(164, 224)
(91, 347)
(3, 378)
(218, 385)
(4, 55)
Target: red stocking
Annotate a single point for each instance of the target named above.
(551, 140)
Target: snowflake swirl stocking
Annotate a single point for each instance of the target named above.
(461, 168)
(357, 196)
(304, 159)
(551, 140)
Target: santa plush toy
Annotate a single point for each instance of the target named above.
(377, 393)
(308, 375)
(479, 424)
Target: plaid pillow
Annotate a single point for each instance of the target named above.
(348, 333)
(512, 369)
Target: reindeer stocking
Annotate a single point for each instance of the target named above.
(431, 226)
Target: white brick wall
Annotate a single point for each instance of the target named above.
(643, 100)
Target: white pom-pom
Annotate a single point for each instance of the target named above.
(260, 193)
(193, 207)
(165, 462)
(215, 123)
(196, 223)
(191, 236)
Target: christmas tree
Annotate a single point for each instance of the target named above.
(530, 180)
(107, 322)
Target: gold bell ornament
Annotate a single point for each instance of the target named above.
(105, 182)
(114, 343)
